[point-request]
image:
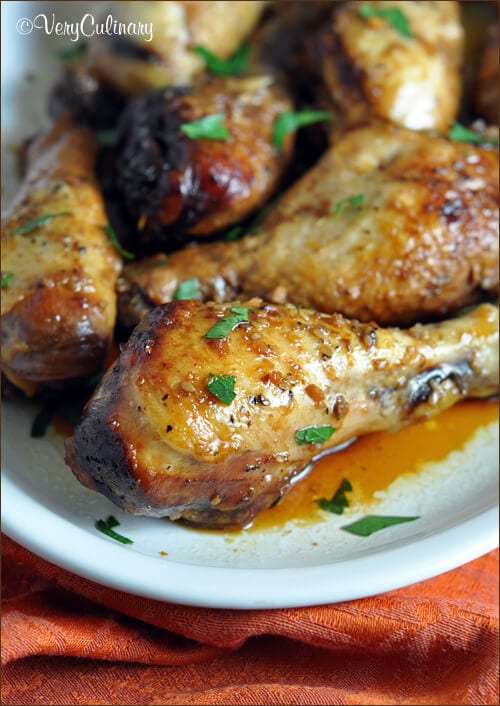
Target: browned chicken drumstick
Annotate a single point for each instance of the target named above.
(59, 267)
(391, 224)
(213, 424)
(135, 64)
(176, 175)
(399, 61)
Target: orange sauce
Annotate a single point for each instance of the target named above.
(374, 461)
(62, 426)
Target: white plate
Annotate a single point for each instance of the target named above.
(46, 510)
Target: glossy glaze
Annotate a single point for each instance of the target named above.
(156, 441)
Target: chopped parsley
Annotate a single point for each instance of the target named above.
(116, 243)
(356, 200)
(241, 311)
(314, 435)
(235, 65)
(7, 279)
(37, 222)
(338, 501)
(69, 53)
(187, 289)
(106, 527)
(225, 325)
(393, 15)
(459, 133)
(209, 127)
(107, 138)
(222, 386)
(374, 523)
(238, 231)
(160, 262)
(290, 121)
(235, 233)
(42, 420)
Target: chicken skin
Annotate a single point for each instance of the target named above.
(59, 268)
(399, 61)
(137, 63)
(391, 225)
(174, 185)
(214, 430)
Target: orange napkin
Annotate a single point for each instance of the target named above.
(435, 642)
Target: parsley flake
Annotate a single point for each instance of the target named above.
(459, 133)
(235, 65)
(222, 386)
(106, 527)
(374, 523)
(107, 138)
(241, 311)
(314, 435)
(69, 53)
(393, 15)
(42, 420)
(209, 127)
(187, 289)
(37, 222)
(7, 279)
(238, 231)
(116, 243)
(159, 263)
(225, 325)
(235, 233)
(338, 501)
(289, 121)
(356, 200)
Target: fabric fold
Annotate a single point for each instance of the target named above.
(448, 623)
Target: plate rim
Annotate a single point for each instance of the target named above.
(167, 580)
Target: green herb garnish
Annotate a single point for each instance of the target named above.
(225, 325)
(237, 231)
(235, 65)
(209, 128)
(393, 15)
(42, 420)
(73, 52)
(107, 138)
(7, 279)
(37, 222)
(222, 386)
(314, 435)
(374, 523)
(106, 527)
(338, 501)
(116, 243)
(459, 133)
(187, 289)
(240, 311)
(160, 262)
(356, 200)
(289, 121)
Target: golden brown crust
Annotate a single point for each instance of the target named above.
(156, 441)
(59, 309)
(371, 70)
(172, 184)
(423, 242)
